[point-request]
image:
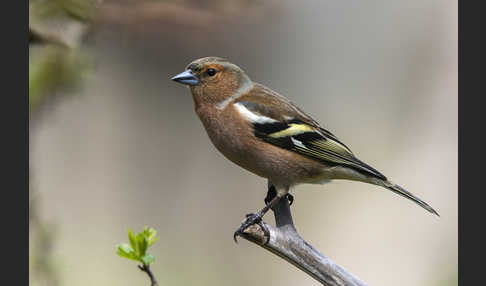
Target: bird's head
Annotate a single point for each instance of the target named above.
(213, 79)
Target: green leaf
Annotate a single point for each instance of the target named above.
(147, 259)
(142, 244)
(133, 240)
(152, 240)
(124, 250)
(150, 234)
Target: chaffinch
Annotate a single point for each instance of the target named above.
(263, 132)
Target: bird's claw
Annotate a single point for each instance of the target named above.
(290, 198)
(251, 219)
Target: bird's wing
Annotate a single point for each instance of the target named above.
(277, 121)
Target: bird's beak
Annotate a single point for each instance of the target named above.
(186, 77)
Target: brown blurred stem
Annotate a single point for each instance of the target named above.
(146, 269)
(284, 241)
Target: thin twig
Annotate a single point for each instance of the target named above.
(146, 269)
(285, 242)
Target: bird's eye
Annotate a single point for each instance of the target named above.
(211, 72)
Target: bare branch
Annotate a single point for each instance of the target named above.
(146, 269)
(285, 242)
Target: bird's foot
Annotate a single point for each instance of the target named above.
(290, 198)
(251, 219)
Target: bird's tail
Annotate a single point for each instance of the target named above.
(402, 192)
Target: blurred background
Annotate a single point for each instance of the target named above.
(114, 144)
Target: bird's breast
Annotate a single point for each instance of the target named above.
(233, 137)
(226, 132)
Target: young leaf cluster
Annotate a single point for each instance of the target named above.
(139, 243)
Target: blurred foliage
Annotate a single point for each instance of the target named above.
(52, 67)
(56, 28)
(139, 243)
(42, 268)
(82, 10)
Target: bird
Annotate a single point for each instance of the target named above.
(265, 133)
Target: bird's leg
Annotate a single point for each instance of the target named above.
(272, 193)
(256, 218)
